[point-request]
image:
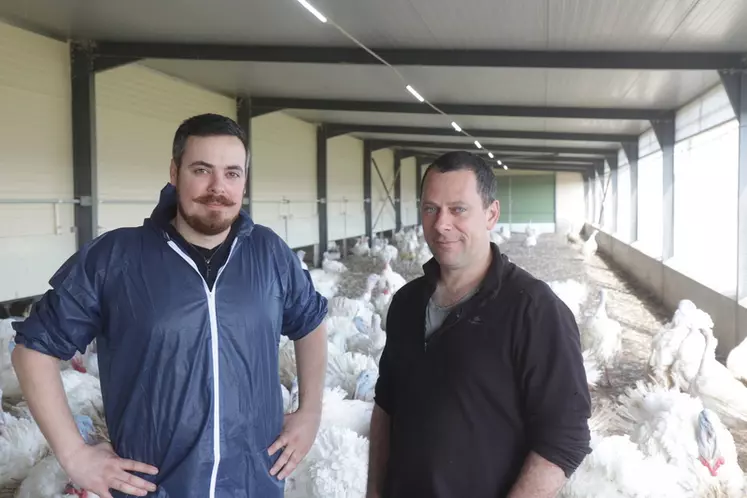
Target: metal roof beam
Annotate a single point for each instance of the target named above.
(428, 57)
(462, 109)
(343, 129)
(572, 168)
(445, 146)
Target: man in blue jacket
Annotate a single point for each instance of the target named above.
(187, 311)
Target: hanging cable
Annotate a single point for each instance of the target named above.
(407, 86)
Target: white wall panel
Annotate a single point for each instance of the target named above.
(35, 161)
(345, 208)
(409, 192)
(650, 204)
(705, 201)
(569, 201)
(138, 112)
(648, 143)
(623, 202)
(284, 177)
(385, 160)
(711, 109)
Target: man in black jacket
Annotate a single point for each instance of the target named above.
(482, 390)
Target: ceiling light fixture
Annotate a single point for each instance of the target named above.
(477, 144)
(490, 155)
(456, 127)
(311, 9)
(414, 92)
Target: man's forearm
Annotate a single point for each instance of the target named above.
(311, 363)
(39, 378)
(378, 452)
(538, 479)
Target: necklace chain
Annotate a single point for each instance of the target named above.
(215, 251)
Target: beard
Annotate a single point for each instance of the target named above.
(212, 223)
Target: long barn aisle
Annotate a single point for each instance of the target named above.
(637, 311)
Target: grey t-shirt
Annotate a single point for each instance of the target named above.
(435, 314)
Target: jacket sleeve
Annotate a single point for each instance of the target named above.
(67, 317)
(305, 308)
(557, 403)
(384, 392)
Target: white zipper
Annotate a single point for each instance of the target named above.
(215, 358)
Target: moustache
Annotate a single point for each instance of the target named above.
(214, 199)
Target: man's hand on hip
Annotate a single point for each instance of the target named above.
(98, 469)
(298, 435)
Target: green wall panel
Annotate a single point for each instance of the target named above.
(526, 198)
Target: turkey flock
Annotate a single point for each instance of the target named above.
(666, 436)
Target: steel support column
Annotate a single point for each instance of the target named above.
(599, 170)
(367, 201)
(585, 177)
(613, 162)
(244, 117)
(736, 88)
(593, 179)
(397, 191)
(419, 161)
(631, 151)
(321, 186)
(85, 184)
(665, 134)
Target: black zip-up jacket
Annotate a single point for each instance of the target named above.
(501, 377)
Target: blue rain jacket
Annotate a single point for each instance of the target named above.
(189, 377)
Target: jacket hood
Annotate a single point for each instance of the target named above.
(165, 211)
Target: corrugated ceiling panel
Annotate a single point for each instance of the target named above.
(500, 23)
(529, 24)
(340, 81)
(493, 142)
(712, 25)
(516, 86)
(472, 122)
(614, 24)
(646, 89)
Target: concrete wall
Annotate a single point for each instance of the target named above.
(671, 286)
(137, 113)
(36, 165)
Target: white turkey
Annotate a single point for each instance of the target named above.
(602, 335)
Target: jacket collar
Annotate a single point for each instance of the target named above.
(490, 283)
(165, 211)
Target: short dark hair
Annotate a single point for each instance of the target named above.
(487, 183)
(204, 125)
